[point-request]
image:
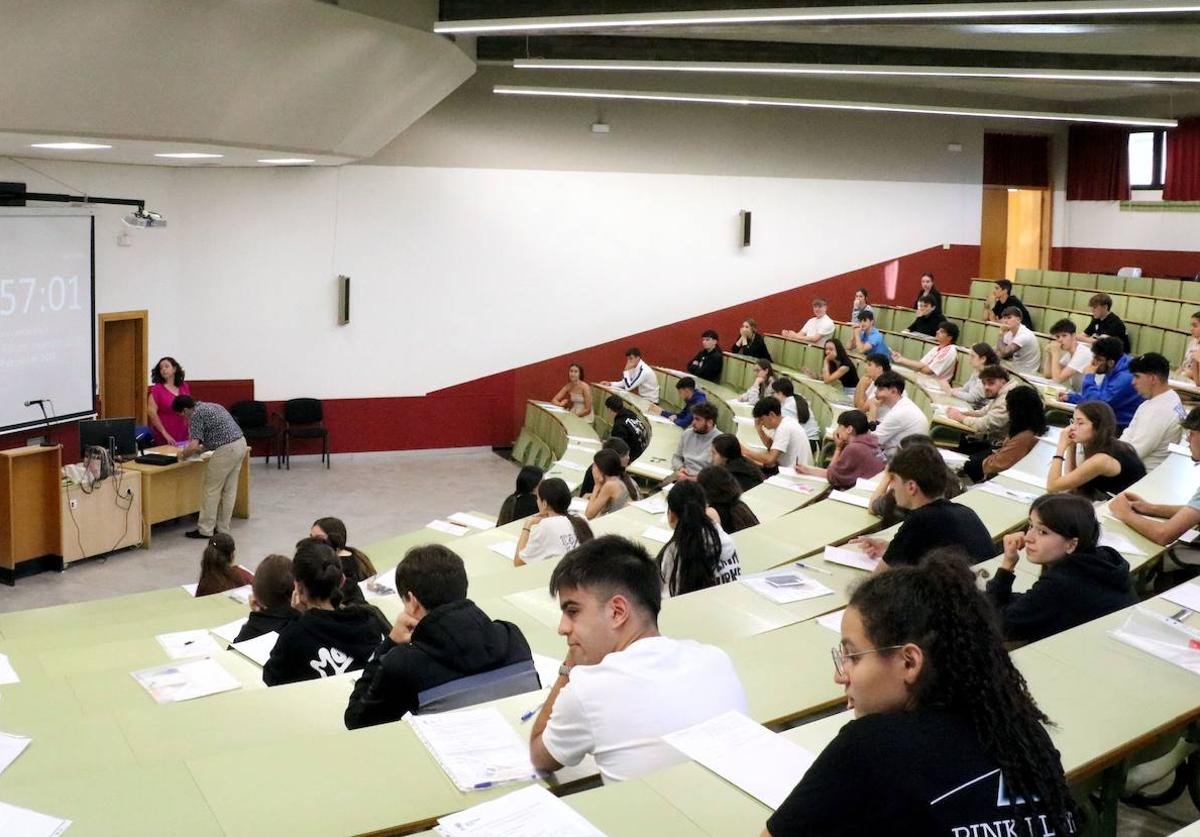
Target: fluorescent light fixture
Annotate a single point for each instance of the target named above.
(822, 104)
(942, 11)
(782, 69)
(70, 146)
(288, 161)
(190, 155)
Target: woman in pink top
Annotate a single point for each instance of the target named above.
(166, 382)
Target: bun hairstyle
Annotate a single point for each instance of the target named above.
(555, 494)
(317, 567)
(219, 550)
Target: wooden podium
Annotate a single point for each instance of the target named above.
(30, 511)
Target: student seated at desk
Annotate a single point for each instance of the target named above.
(918, 481)
(1163, 524)
(553, 531)
(883, 500)
(626, 426)
(588, 485)
(694, 452)
(941, 359)
(727, 452)
(1156, 422)
(638, 376)
(710, 360)
(1189, 366)
(946, 739)
(356, 566)
(928, 318)
(874, 365)
(928, 289)
(623, 686)
(785, 440)
(614, 489)
(1080, 579)
(903, 417)
(1000, 299)
(328, 639)
(725, 498)
(271, 600)
(700, 554)
(818, 328)
(980, 356)
(866, 338)
(1105, 323)
(576, 394)
(1108, 466)
(1109, 379)
(1067, 364)
(522, 502)
(1026, 424)
(793, 405)
(750, 342)
(856, 453)
(1018, 344)
(690, 396)
(760, 387)
(839, 368)
(218, 573)
(440, 636)
(988, 427)
(860, 306)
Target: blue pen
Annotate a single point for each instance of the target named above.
(527, 715)
(483, 785)
(804, 566)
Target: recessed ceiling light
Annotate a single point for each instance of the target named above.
(823, 104)
(70, 146)
(288, 161)
(190, 155)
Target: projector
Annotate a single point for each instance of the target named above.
(144, 218)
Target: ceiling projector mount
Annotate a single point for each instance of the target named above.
(14, 194)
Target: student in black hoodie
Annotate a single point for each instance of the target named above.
(327, 639)
(439, 637)
(708, 362)
(626, 426)
(356, 566)
(271, 600)
(1080, 579)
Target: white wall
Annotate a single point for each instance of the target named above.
(1103, 224)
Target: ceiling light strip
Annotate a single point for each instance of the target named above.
(785, 69)
(821, 104)
(942, 11)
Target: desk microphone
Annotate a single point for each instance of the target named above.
(33, 401)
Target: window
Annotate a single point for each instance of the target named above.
(1147, 159)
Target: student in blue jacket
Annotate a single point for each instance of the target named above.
(690, 396)
(1115, 388)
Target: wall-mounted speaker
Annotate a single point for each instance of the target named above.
(12, 194)
(343, 300)
(745, 227)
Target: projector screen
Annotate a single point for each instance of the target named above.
(46, 316)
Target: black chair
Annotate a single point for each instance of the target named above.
(255, 421)
(304, 418)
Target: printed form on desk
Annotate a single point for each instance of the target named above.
(21, 822)
(476, 747)
(528, 812)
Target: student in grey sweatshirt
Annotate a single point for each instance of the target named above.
(695, 445)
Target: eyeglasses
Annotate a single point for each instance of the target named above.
(840, 657)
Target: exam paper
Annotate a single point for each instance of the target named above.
(571, 466)
(191, 588)
(528, 812)
(832, 621)
(867, 485)
(475, 522)
(952, 457)
(783, 482)
(241, 594)
(8, 674)
(860, 500)
(476, 747)
(547, 669)
(1185, 595)
(11, 746)
(584, 441)
(185, 681)
(378, 585)
(1038, 480)
(993, 487)
(229, 631)
(447, 528)
(1175, 447)
(654, 504)
(785, 586)
(180, 645)
(654, 470)
(257, 650)
(658, 419)
(22, 822)
(742, 419)
(553, 408)
(578, 505)
(506, 548)
(850, 558)
(763, 764)
(1161, 636)
(658, 534)
(1122, 544)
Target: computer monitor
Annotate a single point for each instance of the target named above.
(117, 434)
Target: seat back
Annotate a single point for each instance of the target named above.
(1135, 272)
(303, 411)
(249, 415)
(515, 679)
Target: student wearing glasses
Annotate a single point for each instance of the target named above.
(946, 739)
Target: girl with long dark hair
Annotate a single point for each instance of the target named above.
(699, 554)
(1108, 466)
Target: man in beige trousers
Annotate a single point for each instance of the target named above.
(211, 428)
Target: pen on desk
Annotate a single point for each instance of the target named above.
(483, 785)
(810, 568)
(1183, 614)
(527, 715)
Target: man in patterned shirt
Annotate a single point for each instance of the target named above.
(211, 428)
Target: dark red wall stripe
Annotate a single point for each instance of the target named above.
(1156, 263)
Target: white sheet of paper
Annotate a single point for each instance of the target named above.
(378, 586)
(22, 822)
(993, 487)
(257, 650)
(654, 504)
(506, 548)
(476, 747)
(762, 763)
(792, 485)
(528, 812)
(547, 669)
(569, 465)
(447, 528)
(953, 458)
(1185, 595)
(186, 681)
(1038, 480)
(1122, 544)
(867, 485)
(584, 441)
(807, 588)
(241, 594)
(860, 500)
(191, 588)
(473, 521)
(553, 408)
(1175, 447)
(1179, 382)
(832, 621)
(578, 505)
(654, 470)
(850, 558)
(659, 419)
(229, 631)
(8, 674)
(182, 645)
(1161, 636)
(658, 534)
(742, 419)
(11, 746)
(1189, 536)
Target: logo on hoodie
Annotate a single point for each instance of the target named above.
(338, 662)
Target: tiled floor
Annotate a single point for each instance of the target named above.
(377, 495)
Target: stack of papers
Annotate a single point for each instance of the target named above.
(476, 747)
(11, 746)
(7, 673)
(860, 500)
(850, 558)
(785, 586)
(763, 764)
(464, 519)
(21, 822)
(1161, 636)
(1180, 382)
(185, 681)
(182, 645)
(257, 650)
(229, 631)
(528, 812)
(448, 528)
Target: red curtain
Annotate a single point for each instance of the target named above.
(1183, 162)
(1098, 163)
(1016, 160)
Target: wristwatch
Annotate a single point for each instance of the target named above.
(564, 670)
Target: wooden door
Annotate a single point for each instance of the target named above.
(993, 233)
(124, 339)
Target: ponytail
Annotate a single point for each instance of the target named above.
(318, 569)
(695, 542)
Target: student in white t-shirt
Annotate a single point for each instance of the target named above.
(941, 359)
(904, 418)
(638, 376)
(700, 554)
(784, 438)
(1017, 343)
(553, 531)
(864, 394)
(819, 327)
(1068, 365)
(1189, 367)
(623, 686)
(1157, 423)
